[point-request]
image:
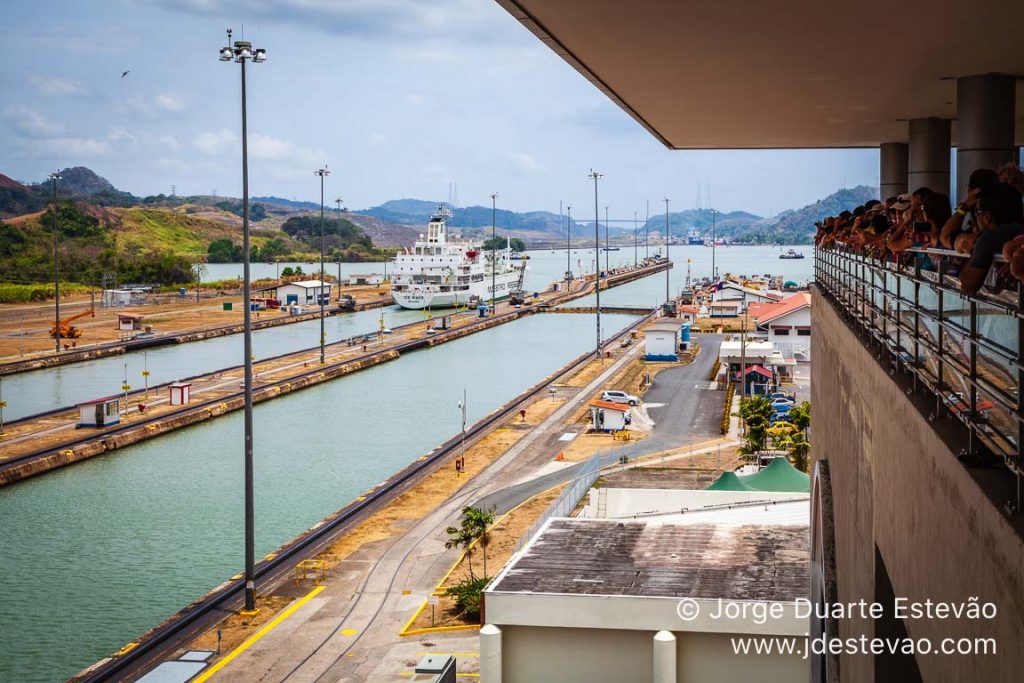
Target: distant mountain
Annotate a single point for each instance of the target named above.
(797, 227)
(8, 184)
(419, 211)
(81, 181)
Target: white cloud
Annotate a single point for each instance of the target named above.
(420, 100)
(215, 143)
(378, 140)
(30, 123)
(169, 102)
(77, 147)
(52, 85)
(170, 142)
(525, 163)
(266, 147)
(120, 133)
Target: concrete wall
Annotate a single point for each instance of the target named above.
(533, 654)
(626, 502)
(897, 485)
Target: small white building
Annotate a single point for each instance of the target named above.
(301, 292)
(662, 340)
(100, 412)
(606, 416)
(733, 292)
(180, 393)
(788, 325)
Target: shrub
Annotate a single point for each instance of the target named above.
(467, 596)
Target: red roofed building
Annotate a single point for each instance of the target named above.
(788, 325)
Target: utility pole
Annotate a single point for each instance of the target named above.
(337, 204)
(322, 172)
(54, 177)
(607, 251)
(636, 252)
(647, 221)
(714, 273)
(568, 244)
(241, 52)
(494, 248)
(668, 295)
(595, 176)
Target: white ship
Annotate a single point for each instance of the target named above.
(439, 272)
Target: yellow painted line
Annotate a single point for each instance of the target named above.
(251, 640)
(440, 629)
(348, 631)
(412, 618)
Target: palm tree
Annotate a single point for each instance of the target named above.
(473, 527)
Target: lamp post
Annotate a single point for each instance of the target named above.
(494, 248)
(568, 243)
(322, 172)
(54, 177)
(647, 220)
(714, 277)
(337, 203)
(241, 51)
(636, 246)
(595, 176)
(607, 250)
(667, 293)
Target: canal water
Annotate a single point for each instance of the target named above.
(42, 390)
(96, 554)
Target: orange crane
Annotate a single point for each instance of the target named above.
(69, 331)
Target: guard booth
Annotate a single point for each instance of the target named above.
(181, 393)
(101, 412)
(606, 416)
(129, 322)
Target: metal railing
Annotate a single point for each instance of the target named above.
(965, 351)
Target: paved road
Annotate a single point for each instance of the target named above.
(691, 413)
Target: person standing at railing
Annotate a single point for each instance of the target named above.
(1000, 216)
(962, 221)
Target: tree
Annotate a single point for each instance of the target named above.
(757, 413)
(501, 242)
(223, 250)
(472, 528)
(800, 416)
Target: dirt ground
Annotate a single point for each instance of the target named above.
(25, 328)
(504, 535)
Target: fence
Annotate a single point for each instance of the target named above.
(965, 351)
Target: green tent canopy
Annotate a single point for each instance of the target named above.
(780, 476)
(729, 482)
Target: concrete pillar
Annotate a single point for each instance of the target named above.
(490, 654)
(928, 155)
(664, 657)
(892, 169)
(984, 125)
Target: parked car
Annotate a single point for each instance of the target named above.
(781, 396)
(615, 396)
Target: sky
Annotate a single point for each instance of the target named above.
(399, 98)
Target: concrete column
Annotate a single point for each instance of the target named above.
(928, 156)
(664, 657)
(984, 125)
(892, 169)
(490, 654)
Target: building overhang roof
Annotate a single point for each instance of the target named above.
(798, 74)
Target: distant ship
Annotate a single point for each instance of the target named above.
(694, 238)
(441, 273)
(791, 254)
(610, 249)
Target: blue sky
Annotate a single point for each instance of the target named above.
(401, 98)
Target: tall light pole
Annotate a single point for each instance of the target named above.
(323, 173)
(647, 222)
(714, 278)
(494, 248)
(337, 204)
(595, 176)
(241, 51)
(607, 249)
(54, 177)
(568, 243)
(636, 246)
(667, 293)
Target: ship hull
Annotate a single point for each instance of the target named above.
(418, 297)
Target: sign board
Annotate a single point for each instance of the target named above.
(433, 599)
